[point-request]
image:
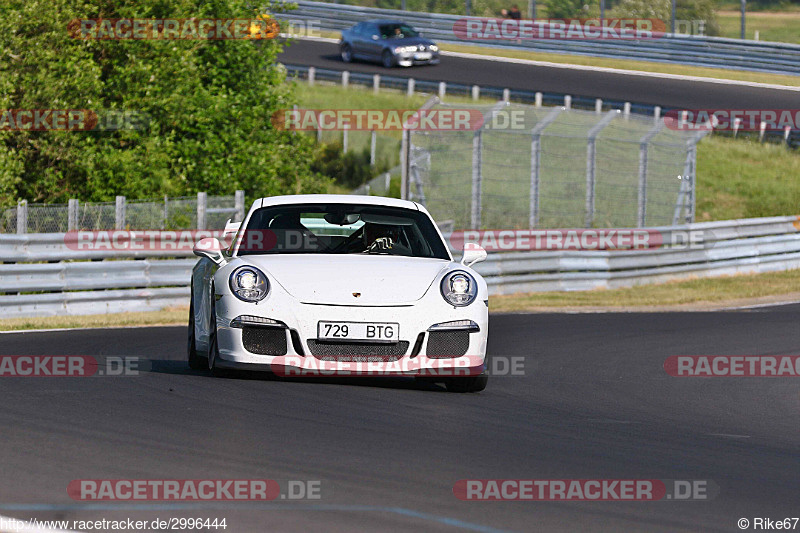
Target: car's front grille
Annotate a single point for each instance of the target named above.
(352, 352)
(264, 341)
(447, 344)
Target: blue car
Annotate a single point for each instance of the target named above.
(390, 42)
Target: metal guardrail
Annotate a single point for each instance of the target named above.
(77, 285)
(758, 56)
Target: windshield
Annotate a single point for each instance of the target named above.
(340, 229)
(397, 31)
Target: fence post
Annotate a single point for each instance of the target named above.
(644, 142)
(119, 213)
(201, 210)
(22, 216)
(345, 130)
(376, 83)
(312, 72)
(373, 144)
(319, 133)
(166, 212)
(506, 95)
(656, 113)
(591, 154)
(442, 90)
(238, 202)
(567, 102)
(72, 215)
(787, 130)
(598, 105)
(410, 90)
(536, 159)
(538, 100)
(475, 218)
(345, 78)
(476, 92)
(405, 147)
(626, 110)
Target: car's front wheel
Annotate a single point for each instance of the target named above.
(213, 347)
(470, 384)
(196, 361)
(387, 59)
(347, 53)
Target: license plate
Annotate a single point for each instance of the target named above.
(358, 331)
(423, 56)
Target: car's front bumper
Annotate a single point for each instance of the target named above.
(298, 328)
(412, 58)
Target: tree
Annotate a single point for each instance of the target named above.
(207, 103)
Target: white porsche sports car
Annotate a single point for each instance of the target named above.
(339, 285)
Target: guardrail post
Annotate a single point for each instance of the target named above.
(598, 106)
(22, 216)
(201, 210)
(345, 131)
(656, 113)
(376, 83)
(72, 215)
(626, 110)
(644, 142)
(536, 159)
(537, 101)
(506, 95)
(786, 131)
(238, 202)
(312, 72)
(476, 92)
(345, 78)
(591, 154)
(373, 144)
(442, 90)
(319, 133)
(119, 213)
(410, 90)
(475, 214)
(567, 102)
(762, 129)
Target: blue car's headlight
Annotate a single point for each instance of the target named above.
(249, 284)
(459, 288)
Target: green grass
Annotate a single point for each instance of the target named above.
(772, 26)
(176, 315)
(696, 293)
(745, 179)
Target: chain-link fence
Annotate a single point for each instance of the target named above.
(531, 167)
(187, 212)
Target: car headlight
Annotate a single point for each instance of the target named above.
(433, 48)
(249, 284)
(459, 288)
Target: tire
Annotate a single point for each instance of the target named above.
(196, 361)
(346, 53)
(213, 347)
(387, 59)
(470, 384)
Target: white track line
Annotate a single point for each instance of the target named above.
(641, 73)
(21, 526)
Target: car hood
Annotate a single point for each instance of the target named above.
(409, 41)
(378, 280)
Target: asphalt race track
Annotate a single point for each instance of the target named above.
(594, 403)
(674, 93)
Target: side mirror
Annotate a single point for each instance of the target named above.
(211, 248)
(473, 253)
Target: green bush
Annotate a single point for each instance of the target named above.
(208, 104)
